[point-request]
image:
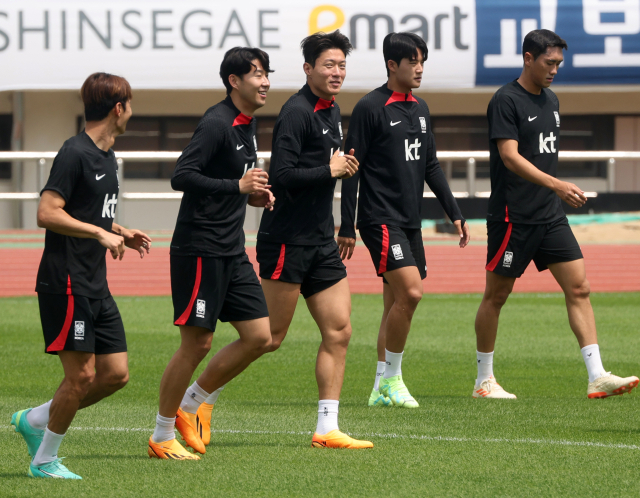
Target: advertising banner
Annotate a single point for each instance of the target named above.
(163, 44)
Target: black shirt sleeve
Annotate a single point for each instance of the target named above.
(65, 173)
(288, 138)
(434, 176)
(188, 176)
(361, 127)
(502, 118)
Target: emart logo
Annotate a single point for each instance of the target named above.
(366, 30)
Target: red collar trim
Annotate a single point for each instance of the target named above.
(324, 104)
(401, 97)
(242, 119)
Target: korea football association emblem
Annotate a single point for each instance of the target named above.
(397, 252)
(508, 259)
(423, 124)
(79, 331)
(201, 306)
(555, 113)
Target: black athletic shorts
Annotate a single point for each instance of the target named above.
(207, 289)
(393, 247)
(77, 323)
(512, 246)
(316, 268)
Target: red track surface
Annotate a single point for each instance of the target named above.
(610, 268)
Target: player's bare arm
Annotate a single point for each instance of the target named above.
(568, 192)
(52, 216)
(134, 239)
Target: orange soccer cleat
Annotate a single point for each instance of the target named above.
(337, 439)
(203, 422)
(186, 425)
(169, 450)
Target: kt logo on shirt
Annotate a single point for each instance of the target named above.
(109, 206)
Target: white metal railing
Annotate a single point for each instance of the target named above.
(470, 157)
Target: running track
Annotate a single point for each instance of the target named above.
(610, 268)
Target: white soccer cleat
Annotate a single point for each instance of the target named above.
(611, 385)
(491, 389)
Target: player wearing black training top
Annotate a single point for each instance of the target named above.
(296, 248)
(211, 276)
(525, 220)
(80, 319)
(390, 131)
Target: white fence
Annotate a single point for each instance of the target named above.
(445, 157)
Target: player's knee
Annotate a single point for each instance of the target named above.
(260, 344)
(81, 382)
(581, 290)
(411, 298)
(499, 297)
(338, 338)
(118, 380)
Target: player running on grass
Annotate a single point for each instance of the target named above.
(80, 319)
(525, 220)
(391, 133)
(296, 248)
(211, 276)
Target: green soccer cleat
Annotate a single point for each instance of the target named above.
(394, 389)
(377, 399)
(33, 437)
(52, 470)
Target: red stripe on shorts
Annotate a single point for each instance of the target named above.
(279, 266)
(196, 287)
(61, 340)
(506, 214)
(385, 250)
(493, 263)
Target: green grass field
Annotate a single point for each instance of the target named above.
(552, 441)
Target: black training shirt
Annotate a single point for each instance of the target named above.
(534, 121)
(306, 134)
(212, 210)
(87, 179)
(392, 137)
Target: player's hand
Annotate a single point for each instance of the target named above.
(137, 240)
(254, 180)
(464, 232)
(264, 199)
(570, 193)
(346, 246)
(343, 165)
(113, 242)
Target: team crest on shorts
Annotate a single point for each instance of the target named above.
(201, 304)
(508, 258)
(79, 331)
(397, 252)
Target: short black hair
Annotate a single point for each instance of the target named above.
(313, 45)
(239, 61)
(537, 41)
(398, 46)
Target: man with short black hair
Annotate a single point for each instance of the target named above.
(390, 131)
(526, 221)
(296, 248)
(211, 276)
(80, 319)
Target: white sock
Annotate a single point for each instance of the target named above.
(327, 416)
(38, 417)
(48, 451)
(485, 366)
(164, 430)
(379, 374)
(213, 397)
(591, 355)
(193, 398)
(393, 365)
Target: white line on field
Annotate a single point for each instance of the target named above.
(551, 442)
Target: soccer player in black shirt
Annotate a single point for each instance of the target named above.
(211, 276)
(80, 319)
(296, 248)
(525, 220)
(390, 131)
